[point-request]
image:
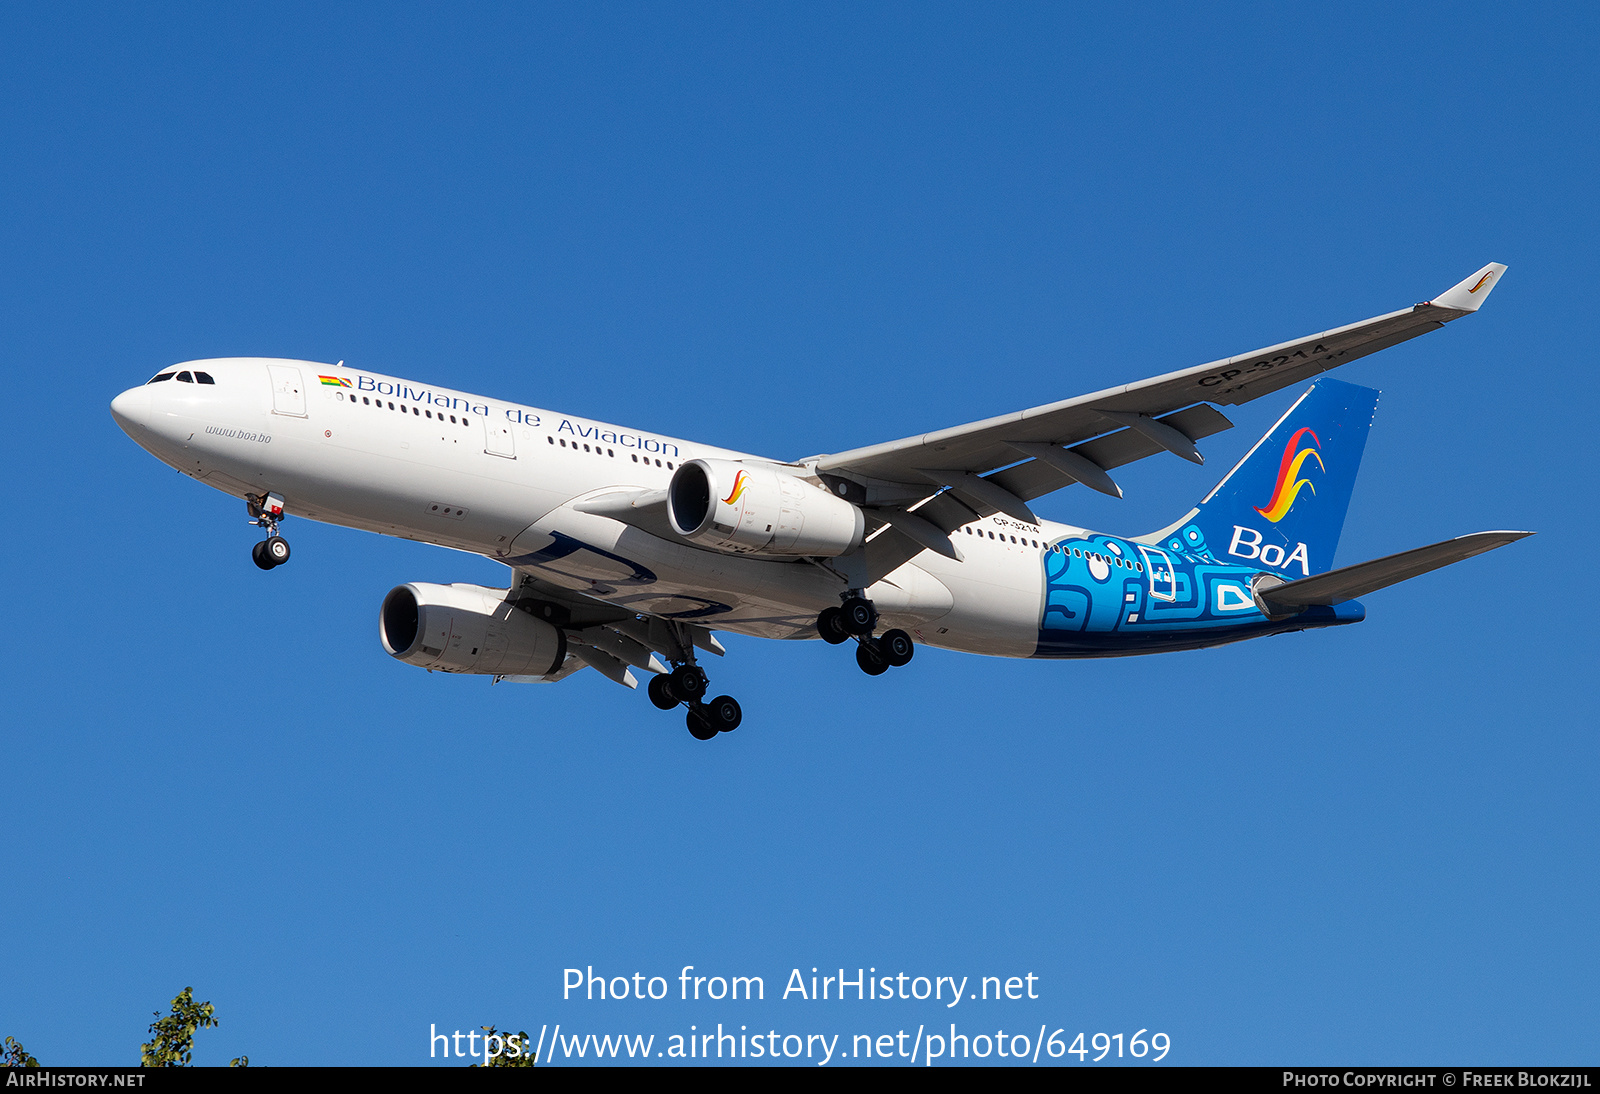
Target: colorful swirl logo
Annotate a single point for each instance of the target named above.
(1283, 493)
(738, 489)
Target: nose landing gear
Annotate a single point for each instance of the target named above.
(266, 512)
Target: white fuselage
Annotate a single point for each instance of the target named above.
(499, 479)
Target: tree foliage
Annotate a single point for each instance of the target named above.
(16, 1056)
(172, 1038)
(524, 1057)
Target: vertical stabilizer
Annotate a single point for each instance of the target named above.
(1282, 507)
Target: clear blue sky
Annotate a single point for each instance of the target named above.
(794, 229)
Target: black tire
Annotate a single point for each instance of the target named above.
(830, 625)
(259, 554)
(870, 660)
(724, 713)
(689, 683)
(277, 549)
(859, 616)
(700, 727)
(897, 647)
(660, 692)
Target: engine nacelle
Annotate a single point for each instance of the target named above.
(757, 509)
(467, 628)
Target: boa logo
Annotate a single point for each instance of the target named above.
(1283, 493)
(739, 484)
(1270, 555)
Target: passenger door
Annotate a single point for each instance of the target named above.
(1158, 565)
(498, 441)
(288, 393)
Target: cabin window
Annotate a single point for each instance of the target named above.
(610, 453)
(204, 378)
(427, 413)
(636, 457)
(391, 406)
(414, 410)
(185, 378)
(160, 376)
(669, 465)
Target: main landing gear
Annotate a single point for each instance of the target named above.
(266, 512)
(687, 684)
(857, 618)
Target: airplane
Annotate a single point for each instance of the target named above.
(628, 550)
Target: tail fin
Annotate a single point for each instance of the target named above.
(1282, 507)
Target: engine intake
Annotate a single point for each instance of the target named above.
(759, 509)
(467, 628)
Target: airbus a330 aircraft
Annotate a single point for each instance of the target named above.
(628, 549)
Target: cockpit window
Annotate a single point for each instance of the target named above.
(156, 379)
(185, 378)
(204, 378)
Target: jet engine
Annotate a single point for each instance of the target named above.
(467, 628)
(758, 509)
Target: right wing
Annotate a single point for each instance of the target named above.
(925, 487)
(999, 464)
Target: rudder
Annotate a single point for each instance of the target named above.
(1282, 507)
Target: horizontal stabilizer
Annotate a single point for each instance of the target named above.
(1349, 582)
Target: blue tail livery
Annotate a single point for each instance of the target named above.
(1254, 557)
(1281, 509)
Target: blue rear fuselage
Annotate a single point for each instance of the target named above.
(1106, 596)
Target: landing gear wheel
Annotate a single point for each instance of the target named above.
(896, 647)
(870, 659)
(259, 554)
(689, 683)
(830, 625)
(277, 549)
(660, 692)
(700, 727)
(859, 616)
(724, 713)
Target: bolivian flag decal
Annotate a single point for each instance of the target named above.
(335, 381)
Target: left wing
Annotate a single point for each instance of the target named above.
(611, 640)
(1000, 464)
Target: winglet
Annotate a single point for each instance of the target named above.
(1471, 293)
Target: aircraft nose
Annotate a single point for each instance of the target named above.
(131, 409)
